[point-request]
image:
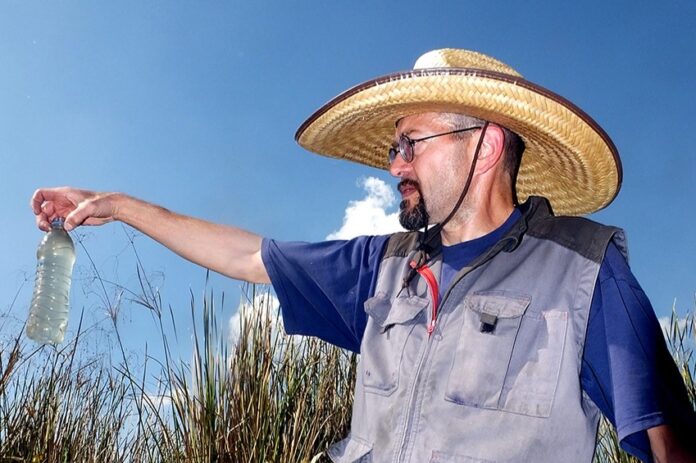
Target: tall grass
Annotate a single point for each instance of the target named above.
(273, 398)
(56, 409)
(265, 397)
(268, 397)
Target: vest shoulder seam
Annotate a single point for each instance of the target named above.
(401, 244)
(581, 235)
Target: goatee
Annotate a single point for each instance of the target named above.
(416, 217)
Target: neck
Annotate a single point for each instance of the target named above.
(477, 217)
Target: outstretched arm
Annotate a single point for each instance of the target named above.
(666, 447)
(227, 250)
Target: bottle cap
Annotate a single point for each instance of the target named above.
(57, 223)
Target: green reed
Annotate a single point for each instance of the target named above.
(266, 397)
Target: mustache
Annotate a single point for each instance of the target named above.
(408, 182)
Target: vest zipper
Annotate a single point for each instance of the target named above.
(410, 410)
(430, 279)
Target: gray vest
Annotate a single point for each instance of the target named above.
(498, 379)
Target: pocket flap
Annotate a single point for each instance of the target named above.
(349, 450)
(442, 457)
(500, 304)
(387, 312)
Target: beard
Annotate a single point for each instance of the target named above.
(415, 217)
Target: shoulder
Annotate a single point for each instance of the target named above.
(401, 244)
(584, 236)
(344, 253)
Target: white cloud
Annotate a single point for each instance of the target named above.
(158, 404)
(157, 401)
(665, 324)
(369, 215)
(266, 303)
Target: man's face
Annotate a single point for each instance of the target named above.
(431, 184)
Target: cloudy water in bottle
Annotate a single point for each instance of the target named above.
(50, 304)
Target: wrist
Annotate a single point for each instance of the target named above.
(120, 204)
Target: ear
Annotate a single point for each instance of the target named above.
(491, 153)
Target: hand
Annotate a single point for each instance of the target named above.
(78, 207)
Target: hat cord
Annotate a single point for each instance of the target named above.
(426, 238)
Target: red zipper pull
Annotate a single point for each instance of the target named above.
(431, 327)
(430, 279)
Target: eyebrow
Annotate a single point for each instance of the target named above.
(407, 133)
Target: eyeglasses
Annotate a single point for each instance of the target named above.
(405, 145)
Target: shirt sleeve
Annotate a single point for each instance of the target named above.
(322, 286)
(627, 369)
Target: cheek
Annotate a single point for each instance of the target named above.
(439, 174)
(445, 184)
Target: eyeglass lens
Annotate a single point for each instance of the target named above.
(404, 148)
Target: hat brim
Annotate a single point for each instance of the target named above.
(568, 158)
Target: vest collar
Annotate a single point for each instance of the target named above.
(534, 210)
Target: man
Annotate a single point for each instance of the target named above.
(497, 333)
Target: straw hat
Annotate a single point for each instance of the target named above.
(568, 158)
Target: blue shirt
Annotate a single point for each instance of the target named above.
(626, 370)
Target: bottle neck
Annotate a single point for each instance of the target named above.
(57, 223)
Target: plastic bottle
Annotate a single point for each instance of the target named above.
(50, 304)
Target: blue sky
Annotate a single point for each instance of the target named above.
(194, 106)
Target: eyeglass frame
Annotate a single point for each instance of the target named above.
(405, 140)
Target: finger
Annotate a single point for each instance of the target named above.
(42, 222)
(37, 200)
(79, 215)
(48, 209)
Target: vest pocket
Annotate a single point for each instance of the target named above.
(391, 323)
(444, 457)
(507, 358)
(350, 450)
(532, 377)
(484, 348)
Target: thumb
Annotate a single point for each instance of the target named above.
(83, 211)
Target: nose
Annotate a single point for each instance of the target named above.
(399, 167)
